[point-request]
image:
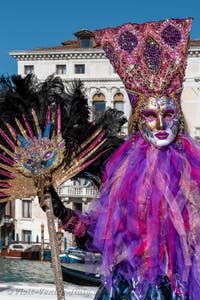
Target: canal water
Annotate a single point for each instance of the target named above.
(20, 270)
(30, 280)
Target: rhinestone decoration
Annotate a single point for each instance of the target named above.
(48, 154)
(127, 41)
(152, 55)
(109, 49)
(37, 152)
(171, 36)
(110, 54)
(29, 161)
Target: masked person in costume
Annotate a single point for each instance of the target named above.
(145, 222)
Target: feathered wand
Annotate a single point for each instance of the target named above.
(47, 138)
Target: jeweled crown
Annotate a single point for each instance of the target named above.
(150, 58)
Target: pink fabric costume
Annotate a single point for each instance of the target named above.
(146, 219)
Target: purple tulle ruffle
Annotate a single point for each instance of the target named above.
(147, 216)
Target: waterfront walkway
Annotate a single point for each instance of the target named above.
(42, 291)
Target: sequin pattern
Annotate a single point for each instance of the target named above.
(150, 58)
(127, 41)
(171, 36)
(152, 55)
(109, 51)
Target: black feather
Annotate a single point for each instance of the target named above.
(111, 121)
(19, 95)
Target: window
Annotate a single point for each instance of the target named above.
(26, 236)
(119, 105)
(60, 69)
(85, 43)
(99, 104)
(119, 101)
(26, 209)
(79, 69)
(28, 69)
(98, 108)
(9, 208)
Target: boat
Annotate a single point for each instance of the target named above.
(71, 258)
(15, 250)
(78, 277)
(11, 254)
(25, 251)
(76, 255)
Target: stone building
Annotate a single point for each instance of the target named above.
(82, 59)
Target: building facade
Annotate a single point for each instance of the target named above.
(191, 91)
(78, 59)
(82, 59)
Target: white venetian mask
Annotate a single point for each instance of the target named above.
(159, 121)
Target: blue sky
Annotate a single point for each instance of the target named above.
(28, 24)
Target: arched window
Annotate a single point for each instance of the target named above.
(98, 104)
(119, 101)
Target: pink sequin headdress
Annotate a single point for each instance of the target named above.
(150, 58)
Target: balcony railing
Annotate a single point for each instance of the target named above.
(78, 191)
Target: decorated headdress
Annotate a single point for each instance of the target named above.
(150, 58)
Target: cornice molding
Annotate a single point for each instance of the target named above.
(57, 55)
(194, 52)
(117, 80)
(72, 54)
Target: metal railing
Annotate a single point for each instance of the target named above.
(78, 191)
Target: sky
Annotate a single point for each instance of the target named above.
(29, 24)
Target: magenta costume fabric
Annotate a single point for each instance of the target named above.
(147, 216)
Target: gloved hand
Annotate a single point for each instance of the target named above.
(59, 210)
(43, 185)
(71, 221)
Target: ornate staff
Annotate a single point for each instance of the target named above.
(32, 161)
(35, 162)
(54, 247)
(35, 155)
